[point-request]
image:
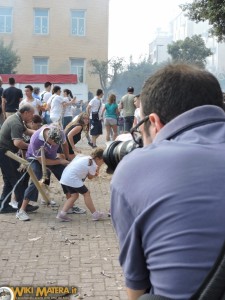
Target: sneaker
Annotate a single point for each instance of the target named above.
(14, 204)
(8, 209)
(98, 215)
(22, 215)
(63, 218)
(76, 210)
(90, 144)
(94, 146)
(51, 202)
(31, 208)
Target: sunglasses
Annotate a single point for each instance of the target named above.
(135, 132)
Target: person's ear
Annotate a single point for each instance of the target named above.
(156, 123)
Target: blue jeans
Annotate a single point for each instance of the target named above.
(31, 192)
(10, 177)
(46, 118)
(128, 123)
(66, 121)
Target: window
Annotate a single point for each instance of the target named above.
(78, 22)
(5, 19)
(40, 65)
(41, 21)
(77, 67)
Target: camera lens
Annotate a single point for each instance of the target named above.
(115, 151)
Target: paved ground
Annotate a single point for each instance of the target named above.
(45, 251)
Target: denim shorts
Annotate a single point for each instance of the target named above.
(110, 121)
(95, 127)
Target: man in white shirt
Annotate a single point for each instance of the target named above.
(94, 112)
(29, 99)
(55, 105)
(45, 95)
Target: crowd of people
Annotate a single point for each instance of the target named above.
(45, 120)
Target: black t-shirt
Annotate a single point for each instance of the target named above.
(12, 129)
(12, 96)
(1, 92)
(76, 137)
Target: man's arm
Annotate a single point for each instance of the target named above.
(120, 106)
(29, 131)
(88, 109)
(53, 162)
(134, 294)
(3, 107)
(65, 150)
(20, 144)
(71, 102)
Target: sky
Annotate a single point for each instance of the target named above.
(133, 24)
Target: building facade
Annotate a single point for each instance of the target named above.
(57, 37)
(158, 47)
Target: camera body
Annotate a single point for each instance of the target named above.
(116, 150)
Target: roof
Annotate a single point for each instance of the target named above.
(40, 78)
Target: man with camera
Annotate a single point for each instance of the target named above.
(170, 221)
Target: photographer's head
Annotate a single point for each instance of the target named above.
(174, 90)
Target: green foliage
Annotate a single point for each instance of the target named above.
(211, 10)
(191, 50)
(115, 76)
(107, 71)
(8, 58)
(134, 75)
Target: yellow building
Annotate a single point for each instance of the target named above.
(57, 37)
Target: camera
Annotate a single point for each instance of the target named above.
(116, 150)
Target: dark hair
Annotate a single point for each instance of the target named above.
(177, 88)
(25, 107)
(112, 98)
(12, 81)
(99, 92)
(68, 92)
(36, 119)
(36, 90)
(47, 84)
(130, 89)
(29, 87)
(55, 89)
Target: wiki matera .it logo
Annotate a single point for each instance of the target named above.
(6, 293)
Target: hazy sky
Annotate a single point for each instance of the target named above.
(133, 24)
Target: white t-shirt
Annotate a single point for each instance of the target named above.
(56, 110)
(77, 170)
(137, 114)
(67, 109)
(35, 103)
(46, 96)
(94, 104)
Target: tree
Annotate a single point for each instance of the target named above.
(115, 75)
(107, 71)
(191, 50)
(211, 10)
(134, 75)
(8, 58)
